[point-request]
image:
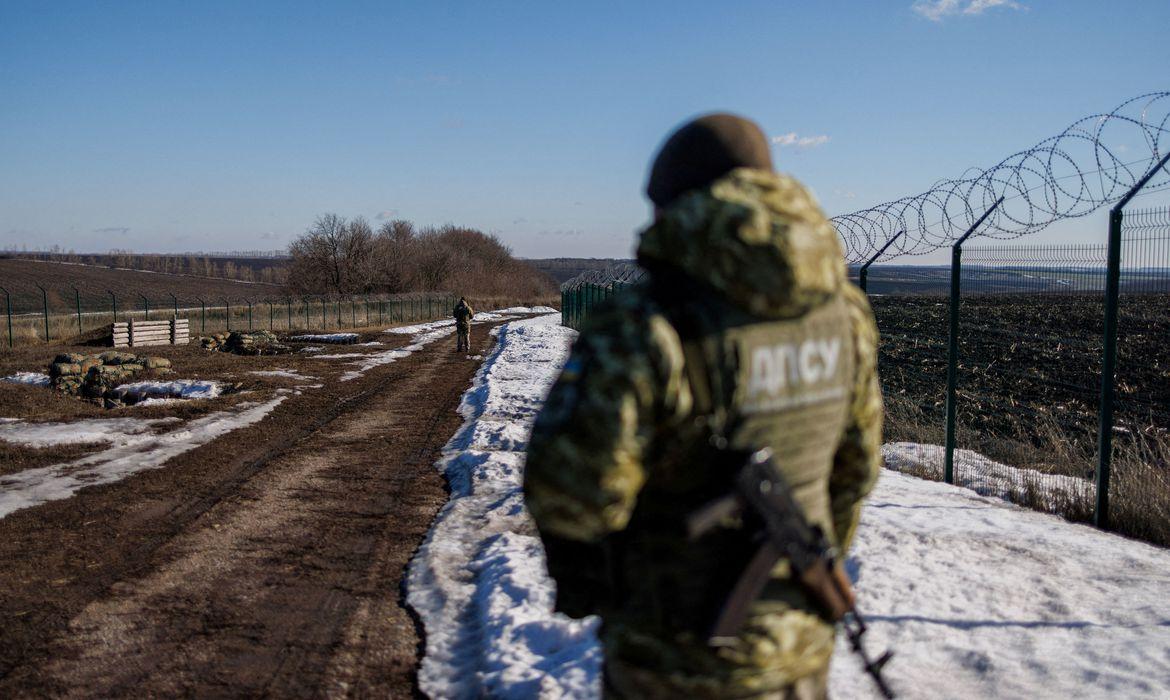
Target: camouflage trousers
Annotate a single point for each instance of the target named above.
(462, 338)
(623, 681)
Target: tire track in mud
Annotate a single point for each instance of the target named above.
(283, 577)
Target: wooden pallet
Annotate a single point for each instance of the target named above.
(132, 334)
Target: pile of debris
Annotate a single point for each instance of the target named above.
(245, 343)
(95, 376)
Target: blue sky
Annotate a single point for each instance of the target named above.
(167, 126)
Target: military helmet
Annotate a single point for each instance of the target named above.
(704, 150)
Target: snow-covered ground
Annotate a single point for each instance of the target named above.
(133, 447)
(171, 389)
(282, 373)
(977, 597)
(982, 475)
(33, 378)
(478, 581)
(983, 599)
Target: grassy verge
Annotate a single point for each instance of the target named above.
(1058, 468)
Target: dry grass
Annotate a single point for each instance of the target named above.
(1139, 484)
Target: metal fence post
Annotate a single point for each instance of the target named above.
(352, 312)
(114, 302)
(45, 307)
(249, 302)
(202, 315)
(77, 302)
(145, 306)
(1109, 358)
(288, 302)
(174, 303)
(863, 273)
(227, 306)
(271, 316)
(8, 312)
(953, 343)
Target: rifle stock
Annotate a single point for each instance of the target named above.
(762, 494)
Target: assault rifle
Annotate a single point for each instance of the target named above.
(763, 499)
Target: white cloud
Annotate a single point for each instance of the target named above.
(937, 10)
(386, 214)
(794, 139)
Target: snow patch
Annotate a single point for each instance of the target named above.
(31, 378)
(173, 389)
(980, 474)
(527, 310)
(280, 372)
(109, 430)
(479, 582)
(133, 448)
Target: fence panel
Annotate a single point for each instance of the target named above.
(1139, 487)
(1030, 340)
(66, 313)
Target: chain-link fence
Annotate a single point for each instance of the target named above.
(1029, 403)
(585, 291)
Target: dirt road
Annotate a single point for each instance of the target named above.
(268, 562)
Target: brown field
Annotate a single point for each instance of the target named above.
(1029, 389)
(20, 277)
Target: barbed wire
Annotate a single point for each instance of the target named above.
(620, 273)
(1092, 162)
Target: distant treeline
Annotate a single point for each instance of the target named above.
(341, 256)
(270, 270)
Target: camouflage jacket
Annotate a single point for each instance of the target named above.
(620, 431)
(463, 314)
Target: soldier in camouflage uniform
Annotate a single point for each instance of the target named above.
(745, 333)
(463, 314)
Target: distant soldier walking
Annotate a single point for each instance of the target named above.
(463, 314)
(745, 337)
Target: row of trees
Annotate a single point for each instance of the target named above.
(341, 256)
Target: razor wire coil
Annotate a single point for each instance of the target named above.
(1066, 176)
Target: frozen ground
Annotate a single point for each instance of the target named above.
(977, 597)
